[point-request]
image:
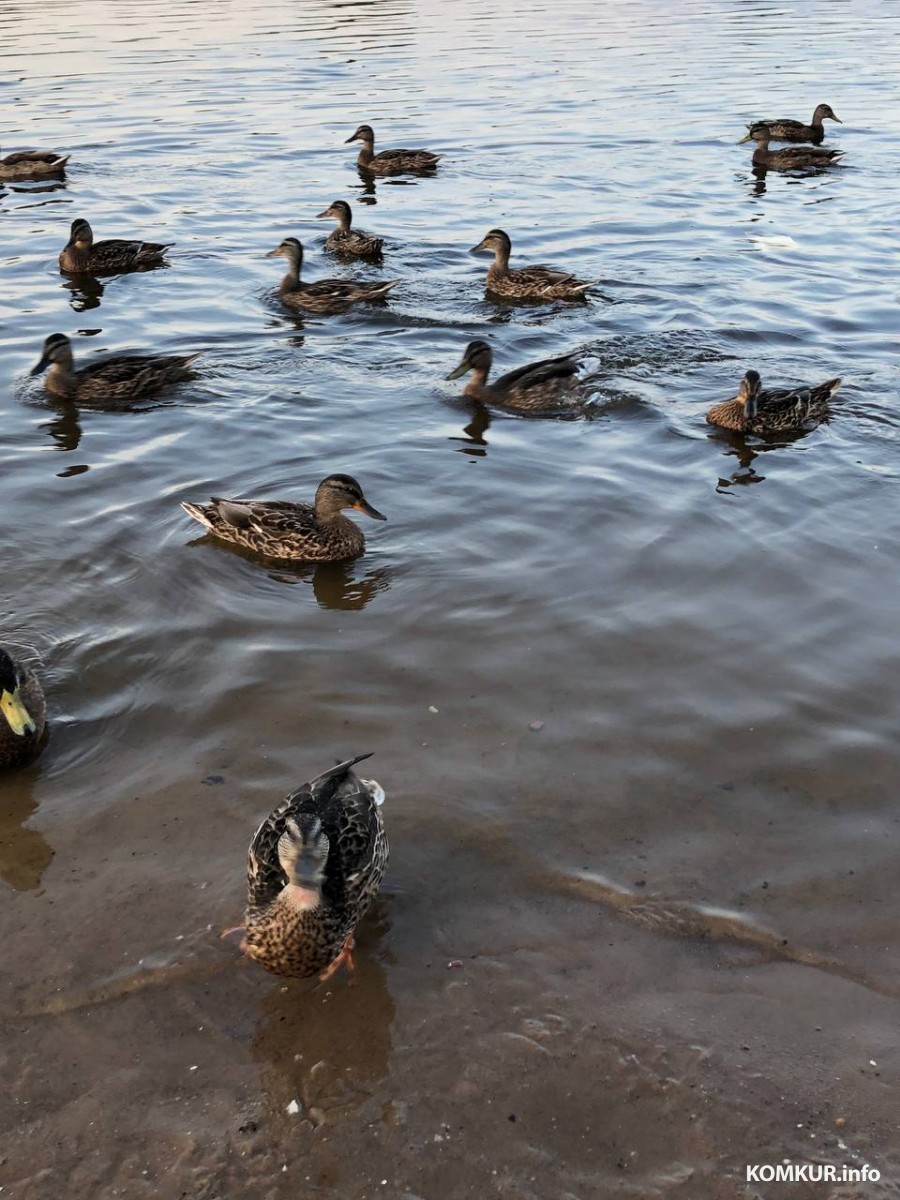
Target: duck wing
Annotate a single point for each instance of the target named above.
(536, 374)
(32, 156)
(265, 517)
(348, 813)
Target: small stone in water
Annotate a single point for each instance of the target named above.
(535, 726)
(293, 1108)
(432, 709)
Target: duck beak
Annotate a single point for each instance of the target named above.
(41, 366)
(744, 139)
(838, 119)
(274, 253)
(327, 212)
(365, 507)
(480, 246)
(17, 715)
(460, 370)
(353, 138)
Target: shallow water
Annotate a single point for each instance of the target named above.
(653, 818)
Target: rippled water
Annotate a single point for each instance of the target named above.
(653, 815)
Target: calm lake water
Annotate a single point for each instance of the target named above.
(632, 686)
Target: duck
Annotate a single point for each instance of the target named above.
(546, 386)
(790, 157)
(315, 865)
(81, 255)
(775, 410)
(345, 240)
(324, 295)
(23, 713)
(390, 162)
(33, 164)
(526, 283)
(788, 130)
(283, 529)
(117, 377)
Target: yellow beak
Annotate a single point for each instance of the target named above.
(17, 716)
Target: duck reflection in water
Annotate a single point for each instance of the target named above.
(327, 1046)
(746, 448)
(475, 443)
(25, 853)
(86, 292)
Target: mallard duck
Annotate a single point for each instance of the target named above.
(788, 130)
(776, 410)
(324, 295)
(790, 157)
(546, 386)
(345, 240)
(33, 164)
(526, 283)
(282, 529)
(314, 867)
(23, 713)
(390, 162)
(119, 377)
(81, 255)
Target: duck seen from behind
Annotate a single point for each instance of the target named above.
(23, 713)
(283, 529)
(81, 255)
(788, 130)
(791, 157)
(541, 387)
(314, 867)
(323, 295)
(526, 283)
(390, 162)
(344, 239)
(117, 377)
(773, 410)
(33, 164)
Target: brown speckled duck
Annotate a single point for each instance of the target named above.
(791, 157)
(33, 164)
(390, 162)
(315, 865)
(81, 255)
(282, 529)
(323, 295)
(785, 129)
(542, 387)
(118, 377)
(526, 283)
(775, 410)
(345, 240)
(23, 713)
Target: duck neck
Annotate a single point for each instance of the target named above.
(61, 379)
(343, 223)
(477, 385)
(500, 265)
(291, 281)
(367, 153)
(761, 153)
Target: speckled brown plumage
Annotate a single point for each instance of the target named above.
(354, 243)
(390, 162)
(526, 283)
(323, 295)
(314, 866)
(786, 129)
(548, 387)
(33, 164)
(775, 410)
(118, 377)
(81, 255)
(23, 713)
(791, 157)
(283, 529)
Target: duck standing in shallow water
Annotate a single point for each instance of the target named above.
(390, 162)
(23, 713)
(787, 130)
(33, 164)
(345, 240)
(791, 157)
(323, 295)
(315, 865)
(119, 377)
(526, 283)
(542, 387)
(282, 529)
(775, 410)
(81, 255)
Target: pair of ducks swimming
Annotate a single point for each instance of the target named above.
(789, 130)
(314, 864)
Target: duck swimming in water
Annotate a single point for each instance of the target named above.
(773, 410)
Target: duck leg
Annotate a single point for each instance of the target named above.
(344, 958)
